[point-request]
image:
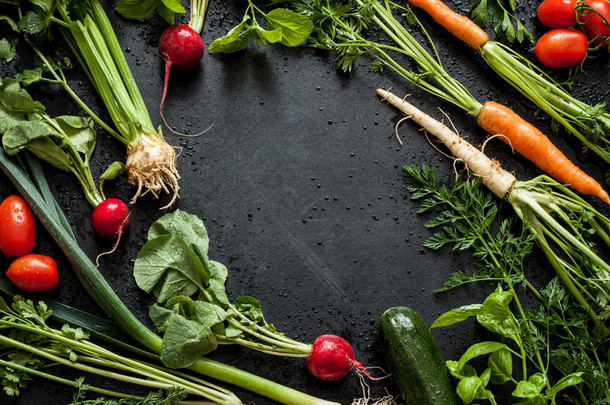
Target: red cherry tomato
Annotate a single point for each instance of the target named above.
(33, 273)
(561, 48)
(592, 23)
(557, 13)
(17, 227)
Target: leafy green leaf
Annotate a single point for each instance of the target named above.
(29, 76)
(168, 267)
(467, 388)
(235, 40)
(480, 349)
(186, 226)
(139, 9)
(185, 340)
(501, 18)
(80, 131)
(500, 364)
(293, 28)
(458, 315)
(113, 171)
(498, 317)
(7, 49)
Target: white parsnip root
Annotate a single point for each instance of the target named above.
(151, 166)
(498, 180)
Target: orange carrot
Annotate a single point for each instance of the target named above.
(462, 27)
(535, 146)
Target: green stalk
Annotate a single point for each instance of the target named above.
(61, 80)
(198, 10)
(60, 380)
(103, 294)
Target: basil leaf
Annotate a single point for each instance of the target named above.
(294, 28)
(566, 382)
(168, 267)
(500, 363)
(480, 349)
(235, 40)
(467, 388)
(458, 315)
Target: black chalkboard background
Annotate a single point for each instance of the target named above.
(299, 184)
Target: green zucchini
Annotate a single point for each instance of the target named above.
(414, 359)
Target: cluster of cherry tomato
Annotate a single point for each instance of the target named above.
(564, 46)
(29, 271)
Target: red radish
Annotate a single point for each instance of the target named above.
(110, 219)
(331, 358)
(179, 46)
(34, 273)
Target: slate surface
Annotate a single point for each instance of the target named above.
(300, 187)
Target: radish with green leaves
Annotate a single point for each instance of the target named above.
(66, 142)
(174, 265)
(151, 163)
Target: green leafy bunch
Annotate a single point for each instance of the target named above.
(139, 9)
(174, 265)
(558, 349)
(500, 14)
(283, 26)
(66, 142)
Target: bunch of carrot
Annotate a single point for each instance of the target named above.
(589, 123)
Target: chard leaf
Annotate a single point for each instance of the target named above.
(7, 49)
(235, 40)
(294, 28)
(168, 267)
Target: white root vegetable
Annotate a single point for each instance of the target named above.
(498, 180)
(552, 212)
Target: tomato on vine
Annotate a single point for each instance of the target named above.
(594, 17)
(557, 13)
